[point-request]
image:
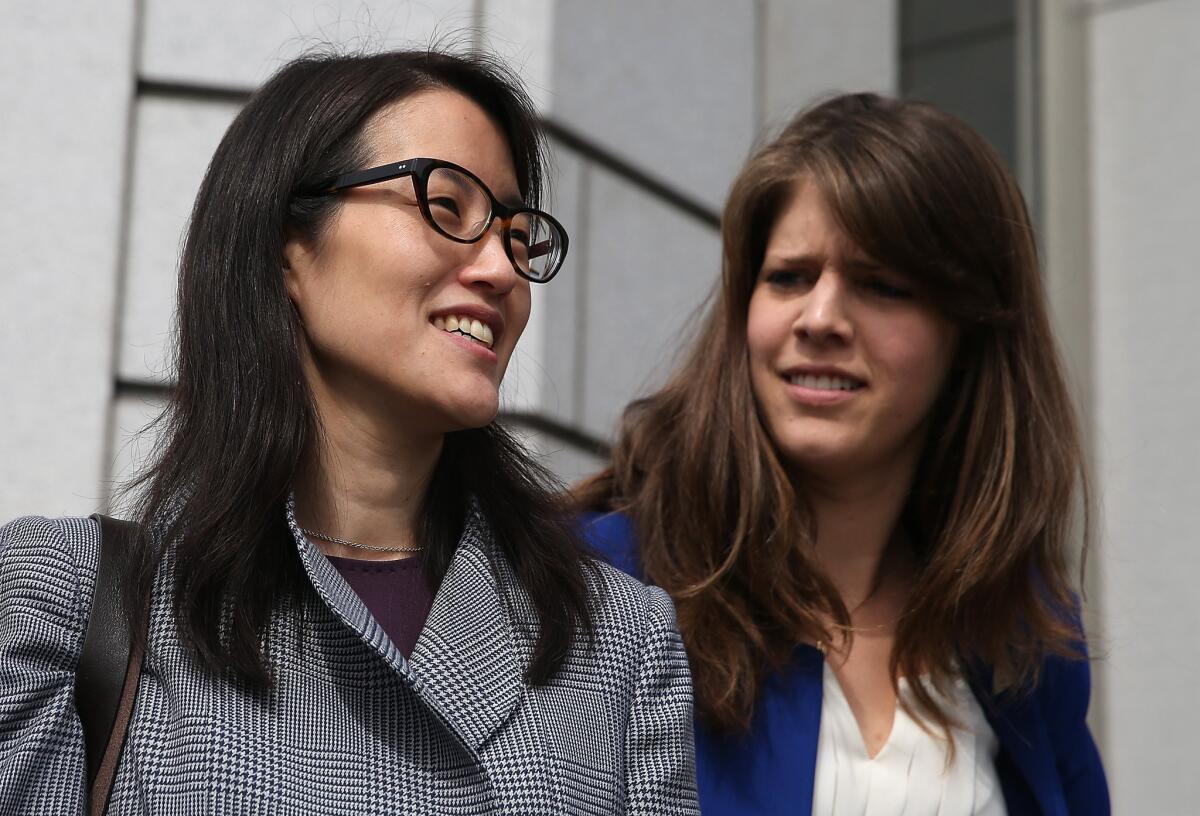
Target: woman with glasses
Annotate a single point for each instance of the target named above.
(859, 485)
(355, 591)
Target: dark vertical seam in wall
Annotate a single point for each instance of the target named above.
(896, 22)
(760, 62)
(579, 381)
(1034, 124)
(121, 276)
(1088, 373)
(477, 25)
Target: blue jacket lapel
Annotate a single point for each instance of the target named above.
(771, 769)
(1024, 742)
(775, 774)
(464, 665)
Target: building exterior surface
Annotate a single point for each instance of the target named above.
(112, 111)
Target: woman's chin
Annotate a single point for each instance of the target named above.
(825, 463)
(464, 416)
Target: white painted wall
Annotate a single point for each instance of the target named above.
(174, 140)
(669, 85)
(67, 88)
(1145, 180)
(820, 47)
(239, 44)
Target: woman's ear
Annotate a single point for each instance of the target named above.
(297, 261)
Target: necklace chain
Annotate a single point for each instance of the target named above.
(355, 544)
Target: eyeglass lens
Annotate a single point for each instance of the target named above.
(461, 208)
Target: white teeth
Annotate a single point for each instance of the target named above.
(824, 382)
(475, 329)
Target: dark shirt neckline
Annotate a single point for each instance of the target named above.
(397, 593)
(363, 565)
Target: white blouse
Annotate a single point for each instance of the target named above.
(909, 776)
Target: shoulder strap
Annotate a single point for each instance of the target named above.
(110, 664)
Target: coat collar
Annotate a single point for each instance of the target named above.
(1021, 730)
(464, 665)
(769, 770)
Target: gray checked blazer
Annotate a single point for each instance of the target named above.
(351, 726)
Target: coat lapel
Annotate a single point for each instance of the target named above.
(342, 600)
(771, 769)
(1021, 731)
(466, 656)
(464, 665)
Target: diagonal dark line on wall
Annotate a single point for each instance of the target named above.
(143, 389)
(560, 431)
(638, 178)
(565, 135)
(195, 92)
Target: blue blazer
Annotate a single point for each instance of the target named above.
(1048, 763)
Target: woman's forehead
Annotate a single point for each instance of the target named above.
(444, 124)
(807, 228)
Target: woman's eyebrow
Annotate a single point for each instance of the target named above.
(853, 264)
(512, 200)
(863, 264)
(795, 259)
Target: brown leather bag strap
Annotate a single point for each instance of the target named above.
(110, 664)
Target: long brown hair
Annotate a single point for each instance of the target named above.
(725, 531)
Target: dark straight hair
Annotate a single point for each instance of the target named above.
(241, 415)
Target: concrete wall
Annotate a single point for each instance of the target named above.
(66, 95)
(1119, 121)
(1144, 116)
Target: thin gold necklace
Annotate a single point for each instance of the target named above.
(824, 647)
(355, 544)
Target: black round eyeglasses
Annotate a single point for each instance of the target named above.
(459, 206)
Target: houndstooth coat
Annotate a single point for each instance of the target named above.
(351, 726)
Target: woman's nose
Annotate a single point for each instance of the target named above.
(824, 317)
(489, 264)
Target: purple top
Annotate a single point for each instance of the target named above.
(396, 592)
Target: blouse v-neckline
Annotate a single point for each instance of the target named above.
(835, 698)
(909, 774)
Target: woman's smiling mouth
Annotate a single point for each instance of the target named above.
(823, 382)
(468, 327)
(820, 385)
